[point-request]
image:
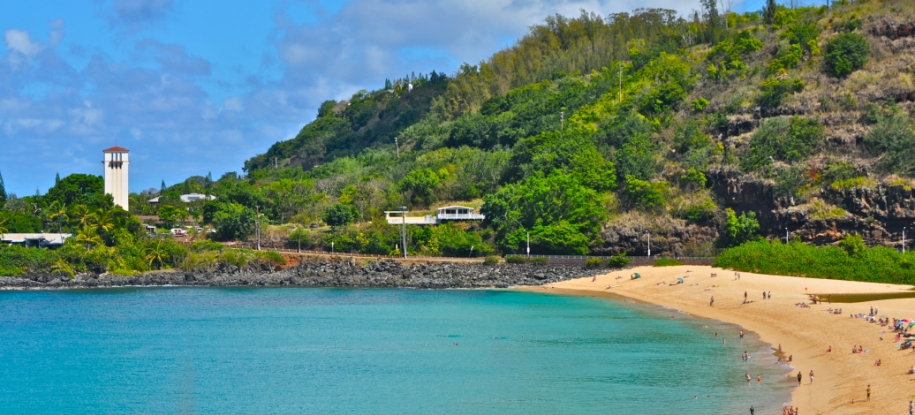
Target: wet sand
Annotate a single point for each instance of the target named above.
(805, 333)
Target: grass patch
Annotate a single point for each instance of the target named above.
(667, 262)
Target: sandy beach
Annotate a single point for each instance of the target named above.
(841, 377)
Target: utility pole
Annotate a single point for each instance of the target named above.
(786, 235)
(257, 226)
(621, 84)
(403, 230)
(331, 247)
(649, 244)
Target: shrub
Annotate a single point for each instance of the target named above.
(593, 262)
(852, 183)
(618, 261)
(702, 211)
(645, 195)
(894, 140)
(846, 53)
(699, 104)
(852, 260)
(783, 138)
(741, 228)
(667, 262)
(491, 260)
(775, 90)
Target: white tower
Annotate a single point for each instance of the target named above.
(116, 174)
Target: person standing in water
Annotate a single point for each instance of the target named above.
(753, 411)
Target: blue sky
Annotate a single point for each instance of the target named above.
(199, 86)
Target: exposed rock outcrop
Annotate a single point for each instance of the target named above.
(387, 273)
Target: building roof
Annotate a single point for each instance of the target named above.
(455, 207)
(187, 198)
(116, 149)
(51, 238)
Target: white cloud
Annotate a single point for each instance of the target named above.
(20, 41)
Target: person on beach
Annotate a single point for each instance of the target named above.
(911, 408)
(829, 350)
(711, 302)
(868, 393)
(764, 295)
(811, 377)
(770, 295)
(744, 297)
(799, 377)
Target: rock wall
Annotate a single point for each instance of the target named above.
(387, 273)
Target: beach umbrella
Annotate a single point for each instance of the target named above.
(637, 275)
(680, 279)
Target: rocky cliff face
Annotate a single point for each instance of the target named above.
(386, 273)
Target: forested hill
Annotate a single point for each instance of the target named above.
(591, 132)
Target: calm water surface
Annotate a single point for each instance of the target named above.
(365, 351)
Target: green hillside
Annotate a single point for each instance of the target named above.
(591, 132)
(588, 135)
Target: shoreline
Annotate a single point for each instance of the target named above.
(804, 333)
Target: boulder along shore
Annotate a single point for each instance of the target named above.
(380, 274)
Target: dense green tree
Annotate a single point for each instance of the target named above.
(740, 229)
(550, 206)
(847, 53)
(338, 215)
(16, 222)
(232, 221)
(421, 185)
(85, 189)
(2, 191)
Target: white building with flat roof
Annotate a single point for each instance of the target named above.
(116, 163)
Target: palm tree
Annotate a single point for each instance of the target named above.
(88, 236)
(58, 212)
(85, 216)
(157, 255)
(104, 221)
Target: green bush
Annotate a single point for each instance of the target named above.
(846, 53)
(491, 260)
(851, 260)
(618, 261)
(894, 139)
(667, 262)
(788, 139)
(740, 229)
(775, 90)
(593, 263)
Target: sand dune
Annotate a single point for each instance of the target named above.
(805, 333)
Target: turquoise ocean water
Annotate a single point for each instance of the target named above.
(369, 351)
